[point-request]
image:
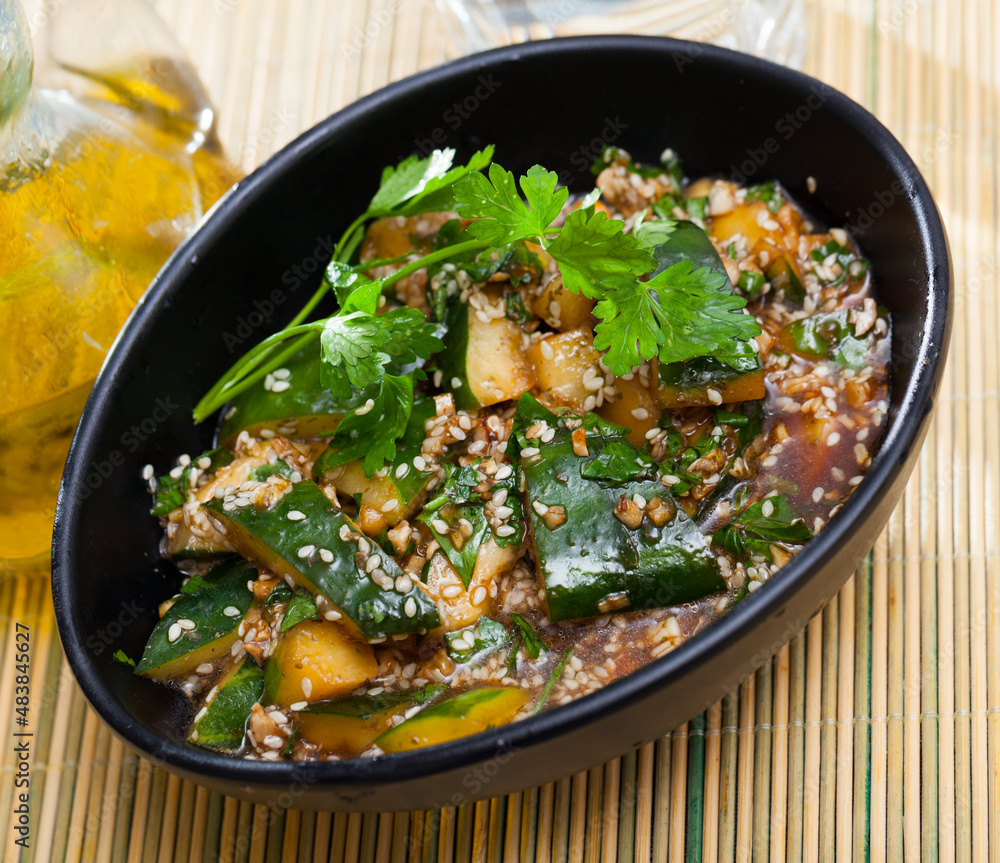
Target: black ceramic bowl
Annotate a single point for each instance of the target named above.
(257, 256)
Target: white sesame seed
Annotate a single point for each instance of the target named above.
(530, 451)
(817, 494)
(669, 479)
(367, 406)
(273, 741)
(326, 555)
(767, 509)
(593, 384)
(281, 374)
(639, 500)
(589, 403)
(410, 607)
(555, 308)
(440, 525)
(307, 687)
(419, 462)
(451, 591)
(505, 530)
(855, 480)
(504, 472)
(299, 705)
(231, 611)
(306, 550)
(229, 414)
(332, 614)
(640, 413)
(174, 632)
(186, 624)
(147, 472)
(456, 383)
(373, 563)
(504, 512)
(479, 595)
(457, 433)
(296, 515)
(363, 545)
(833, 439)
(204, 668)
(499, 497)
(714, 396)
(547, 435)
(402, 470)
(176, 472)
(539, 507)
(390, 505)
(860, 453)
(345, 531)
(546, 350)
(278, 717)
(280, 386)
(403, 584)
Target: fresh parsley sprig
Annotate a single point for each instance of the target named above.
(676, 315)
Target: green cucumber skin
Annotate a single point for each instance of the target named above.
(452, 360)
(593, 555)
(229, 588)
(306, 397)
(224, 723)
(708, 371)
(360, 707)
(377, 613)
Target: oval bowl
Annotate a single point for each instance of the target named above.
(255, 259)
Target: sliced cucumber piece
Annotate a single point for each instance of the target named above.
(200, 627)
(464, 714)
(304, 536)
(222, 724)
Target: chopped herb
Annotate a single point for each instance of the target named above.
(427, 693)
(751, 532)
(751, 283)
(483, 640)
(553, 680)
(261, 473)
(302, 606)
(769, 193)
(281, 592)
(172, 493)
(531, 641)
(119, 656)
(840, 256)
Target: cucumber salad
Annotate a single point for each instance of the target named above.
(514, 447)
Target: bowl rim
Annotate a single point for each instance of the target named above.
(916, 403)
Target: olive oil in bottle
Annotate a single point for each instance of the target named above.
(94, 195)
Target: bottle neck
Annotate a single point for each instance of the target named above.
(15, 59)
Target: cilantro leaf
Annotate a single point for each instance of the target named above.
(172, 492)
(502, 217)
(654, 233)
(591, 250)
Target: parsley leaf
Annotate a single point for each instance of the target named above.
(502, 217)
(677, 315)
(120, 656)
(409, 178)
(372, 436)
(592, 250)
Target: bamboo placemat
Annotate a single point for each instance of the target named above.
(875, 734)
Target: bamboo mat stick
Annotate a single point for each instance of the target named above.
(729, 760)
(744, 780)
(661, 811)
(629, 791)
(713, 767)
(676, 849)
(797, 777)
(763, 729)
(610, 813)
(779, 759)
(845, 712)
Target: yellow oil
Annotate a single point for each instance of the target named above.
(81, 240)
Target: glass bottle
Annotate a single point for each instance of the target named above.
(97, 187)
